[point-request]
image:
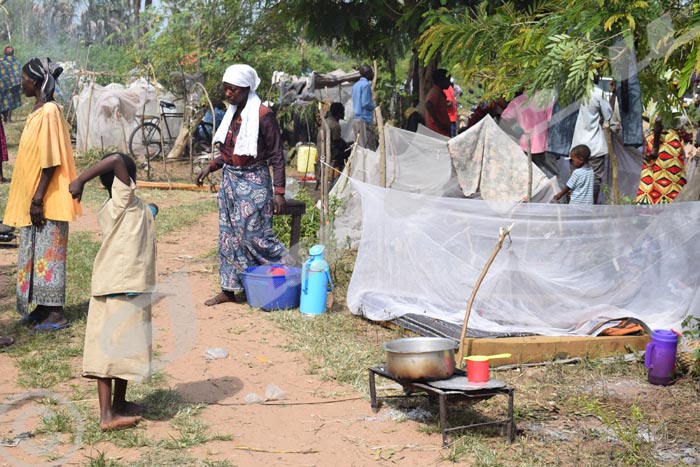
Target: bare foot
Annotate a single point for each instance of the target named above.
(128, 408)
(119, 422)
(54, 315)
(224, 296)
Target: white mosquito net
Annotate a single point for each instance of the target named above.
(567, 266)
(422, 245)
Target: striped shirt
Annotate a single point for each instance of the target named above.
(581, 185)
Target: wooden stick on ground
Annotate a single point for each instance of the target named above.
(501, 237)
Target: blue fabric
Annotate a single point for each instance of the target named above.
(362, 100)
(561, 128)
(629, 93)
(245, 223)
(581, 184)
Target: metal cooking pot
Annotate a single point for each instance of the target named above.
(420, 358)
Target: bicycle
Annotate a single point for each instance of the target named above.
(147, 139)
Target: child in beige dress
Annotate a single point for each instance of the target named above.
(118, 332)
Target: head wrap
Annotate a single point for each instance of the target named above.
(44, 71)
(243, 76)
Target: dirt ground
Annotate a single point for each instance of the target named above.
(588, 415)
(333, 423)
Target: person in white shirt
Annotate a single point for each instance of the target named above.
(589, 131)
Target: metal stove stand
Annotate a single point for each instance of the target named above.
(453, 389)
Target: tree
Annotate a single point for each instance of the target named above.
(558, 44)
(385, 30)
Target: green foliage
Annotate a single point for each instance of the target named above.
(554, 44)
(627, 430)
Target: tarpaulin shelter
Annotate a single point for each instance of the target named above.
(107, 115)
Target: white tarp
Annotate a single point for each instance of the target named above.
(486, 158)
(567, 264)
(488, 161)
(107, 115)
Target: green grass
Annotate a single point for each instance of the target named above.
(100, 459)
(192, 431)
(340, 346)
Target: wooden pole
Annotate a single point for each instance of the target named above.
(613, 162)
(87, 129)
(323, 158)
(374, 79)
(382, 149)
(501, 237)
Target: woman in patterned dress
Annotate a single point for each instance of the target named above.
(39, 202)
(663, 171)
(250, 142)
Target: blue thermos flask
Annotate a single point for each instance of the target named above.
(315, 282)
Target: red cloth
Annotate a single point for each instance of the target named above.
(451, 109)
(439, 117)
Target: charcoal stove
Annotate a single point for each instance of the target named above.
(455, 388)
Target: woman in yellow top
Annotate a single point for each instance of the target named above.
(39, 202)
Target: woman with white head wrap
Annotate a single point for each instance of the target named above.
(249, 138)
(39, 202)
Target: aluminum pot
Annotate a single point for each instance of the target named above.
(420, 358)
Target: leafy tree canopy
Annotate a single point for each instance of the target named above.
(564, 44)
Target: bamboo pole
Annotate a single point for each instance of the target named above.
(504, 231)
(176, 186)
(382, 149)
(613, 161)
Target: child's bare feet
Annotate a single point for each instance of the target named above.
(224, 296)
(118, 422)
(128, 408)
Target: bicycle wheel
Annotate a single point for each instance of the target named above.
(145, 141)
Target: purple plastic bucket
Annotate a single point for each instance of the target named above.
(660, 357)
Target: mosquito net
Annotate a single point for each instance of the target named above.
(563, 269)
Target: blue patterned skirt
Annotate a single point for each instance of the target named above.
(245, 223)
(41, 265)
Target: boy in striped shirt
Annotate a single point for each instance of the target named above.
(581, 184)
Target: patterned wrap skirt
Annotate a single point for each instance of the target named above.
(41, 266)
(245, 224)
(662, 179)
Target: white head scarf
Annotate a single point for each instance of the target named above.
(247, 141)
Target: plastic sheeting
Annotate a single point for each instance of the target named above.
(107, 115)
(567, 267)
(414, 163)
(489, 163)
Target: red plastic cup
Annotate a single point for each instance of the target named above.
(477, 371)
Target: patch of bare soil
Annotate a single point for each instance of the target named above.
(315, 422)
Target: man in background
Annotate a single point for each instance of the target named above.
(436, 113)
(451, 97)
(339, 148)
(594, 111)
(363, 107)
